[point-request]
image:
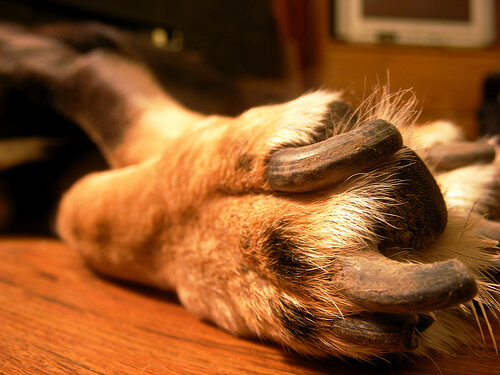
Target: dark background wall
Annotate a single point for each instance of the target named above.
(235, 37)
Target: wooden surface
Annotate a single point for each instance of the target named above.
(57, 317)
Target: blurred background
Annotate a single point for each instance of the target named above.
(447, 51)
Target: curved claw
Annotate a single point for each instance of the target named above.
(388, 332)
(334, 160)
(380, 284)
(459, 154)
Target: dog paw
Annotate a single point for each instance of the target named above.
(339, 244)
(306, 223)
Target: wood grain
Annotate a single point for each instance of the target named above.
(58, 317)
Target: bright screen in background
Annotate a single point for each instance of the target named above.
(448, 10)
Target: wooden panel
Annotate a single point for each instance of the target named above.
(445, 79)
(448, 82)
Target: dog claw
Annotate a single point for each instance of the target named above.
(389, 332)
(332, 161)
(459, 154)
(381, 284)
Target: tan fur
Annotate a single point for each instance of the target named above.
(191, 212)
